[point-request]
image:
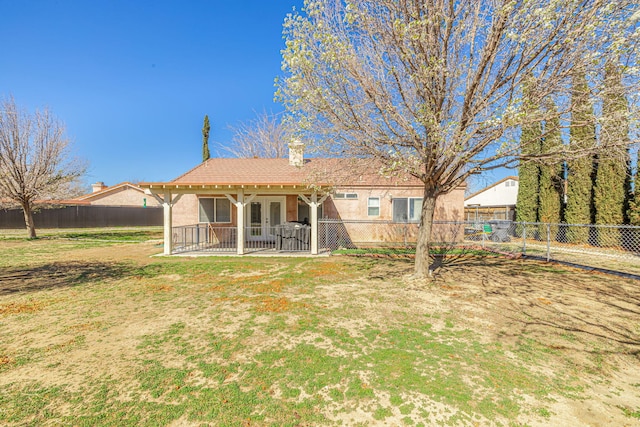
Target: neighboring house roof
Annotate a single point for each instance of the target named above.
(494, 194)
(324, 172)
(11, 204)
(108, 190)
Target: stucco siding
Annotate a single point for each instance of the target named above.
(185, 212)
(125, 196)
(449, 207)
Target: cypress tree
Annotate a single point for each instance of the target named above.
(632, 239)
(634, 202)
(205, 139)
(551, 176)
(582, 136)
(611, 186)
(528, 172)
(610, 191)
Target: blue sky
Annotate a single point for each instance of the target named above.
(133, 79)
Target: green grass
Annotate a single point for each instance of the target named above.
(631, 413)
(256, 341)
(118, 234)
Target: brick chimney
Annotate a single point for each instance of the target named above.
(296, 153)
(98, 186)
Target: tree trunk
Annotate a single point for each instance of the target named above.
(28, 220)
(423, 258)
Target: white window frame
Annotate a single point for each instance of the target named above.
(215, 210)
(375, 206)
(346, 196)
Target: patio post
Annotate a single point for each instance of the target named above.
(240, 221)
(168, 238)
(314, 223)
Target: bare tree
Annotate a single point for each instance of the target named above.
(434, 88)
(263, 137)
(35, 162)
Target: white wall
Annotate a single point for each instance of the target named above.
(504, 193)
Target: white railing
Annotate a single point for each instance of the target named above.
(290, 237)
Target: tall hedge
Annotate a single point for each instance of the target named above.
(529, 172)
(634, 203)
(610, 192)
(551, 176)
(582, 135)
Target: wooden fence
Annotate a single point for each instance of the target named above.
(84, 217)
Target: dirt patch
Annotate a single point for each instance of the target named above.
(21, 307)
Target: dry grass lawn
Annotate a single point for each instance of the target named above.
(96, 332)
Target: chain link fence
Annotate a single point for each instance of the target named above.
(609, 247)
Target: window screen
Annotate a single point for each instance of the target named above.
(415, 208)
(223, 210)
(214, 210)
(407, 209)
(206, 210)
(400, 213)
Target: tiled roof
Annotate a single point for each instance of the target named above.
(109, 190)
(316, 171)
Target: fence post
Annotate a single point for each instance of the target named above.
(326, 236)
(405, 234)
(483, 235)
(524, 238)
(548, 242)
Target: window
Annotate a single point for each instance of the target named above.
(348, 196)
(373, 206)
(407, 209)
(215, 210)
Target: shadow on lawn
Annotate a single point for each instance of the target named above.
(563, 308)
(57, 275)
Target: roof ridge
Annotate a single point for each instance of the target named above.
(513, 177)
(192, 169)
(110, 188)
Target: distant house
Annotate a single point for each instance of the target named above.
(497, 201)
(123, 194)
(250, 198)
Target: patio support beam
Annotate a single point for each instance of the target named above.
(240, 202)
(240, 220)
(314, 223)
(313, 207)
(167, 205)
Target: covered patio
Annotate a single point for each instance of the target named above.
(259, 205)
(241, 218)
